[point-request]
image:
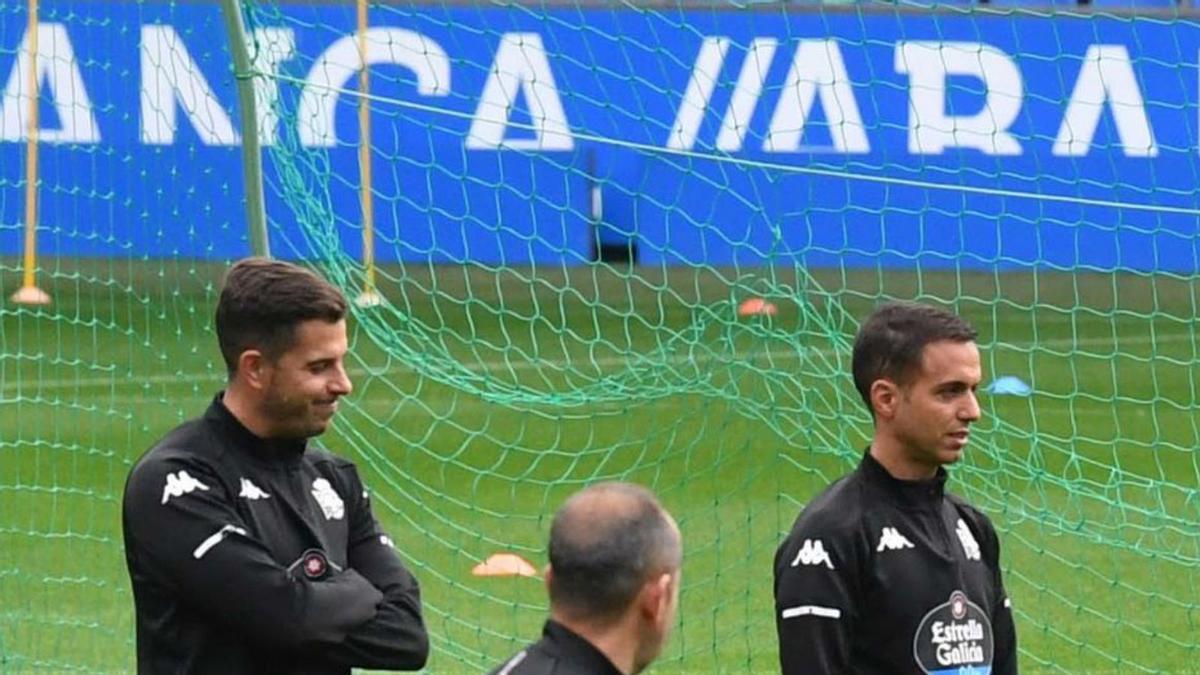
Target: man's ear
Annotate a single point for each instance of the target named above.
(885, 396)
(655, 599)
(546, 574)
(252, 368)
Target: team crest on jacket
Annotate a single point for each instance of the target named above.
(970, 546)
(955, 638)
(329, 501)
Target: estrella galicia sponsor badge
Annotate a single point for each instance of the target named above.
(955, 638)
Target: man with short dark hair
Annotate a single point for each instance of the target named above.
(884, 571)
(249, 549)
(613, 581)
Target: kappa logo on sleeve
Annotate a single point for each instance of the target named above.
(331, 504)
(813, 553)
(890, 539)
(179, 484)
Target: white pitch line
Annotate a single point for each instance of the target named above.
(485, 367)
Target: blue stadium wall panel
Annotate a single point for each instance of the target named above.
(839, 138)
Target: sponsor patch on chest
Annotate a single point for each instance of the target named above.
(954, 638)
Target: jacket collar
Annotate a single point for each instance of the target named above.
(910, 493)
(269, 452)
(572, 648)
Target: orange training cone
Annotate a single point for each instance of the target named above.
(504, 565)
(756, 307)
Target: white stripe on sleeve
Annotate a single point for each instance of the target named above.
(813, 610)
(206, 545)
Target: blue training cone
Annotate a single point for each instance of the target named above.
(1008, 386)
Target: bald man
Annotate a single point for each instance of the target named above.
(613, 581)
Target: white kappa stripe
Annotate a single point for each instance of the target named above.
(215, 539)
(813, 610)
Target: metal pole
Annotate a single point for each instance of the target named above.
(369, 296)
(256, 213)
(29, 293)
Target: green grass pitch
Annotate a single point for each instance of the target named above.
(1092, 481)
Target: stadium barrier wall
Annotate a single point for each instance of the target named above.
(939, 139)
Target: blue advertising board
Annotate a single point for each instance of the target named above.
(504, 135)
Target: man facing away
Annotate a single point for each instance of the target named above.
(249, 549)
(613, 581)
(884, 571)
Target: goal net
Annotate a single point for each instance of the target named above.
(617, 241)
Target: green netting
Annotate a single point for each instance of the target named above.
(513, 360)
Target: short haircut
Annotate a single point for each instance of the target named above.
(606, 542)
(891, 342)
(262, 303)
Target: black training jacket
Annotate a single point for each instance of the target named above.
(560, 652)
(253, 556)
(880, 575)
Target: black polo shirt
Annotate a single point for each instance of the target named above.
(559, 652)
